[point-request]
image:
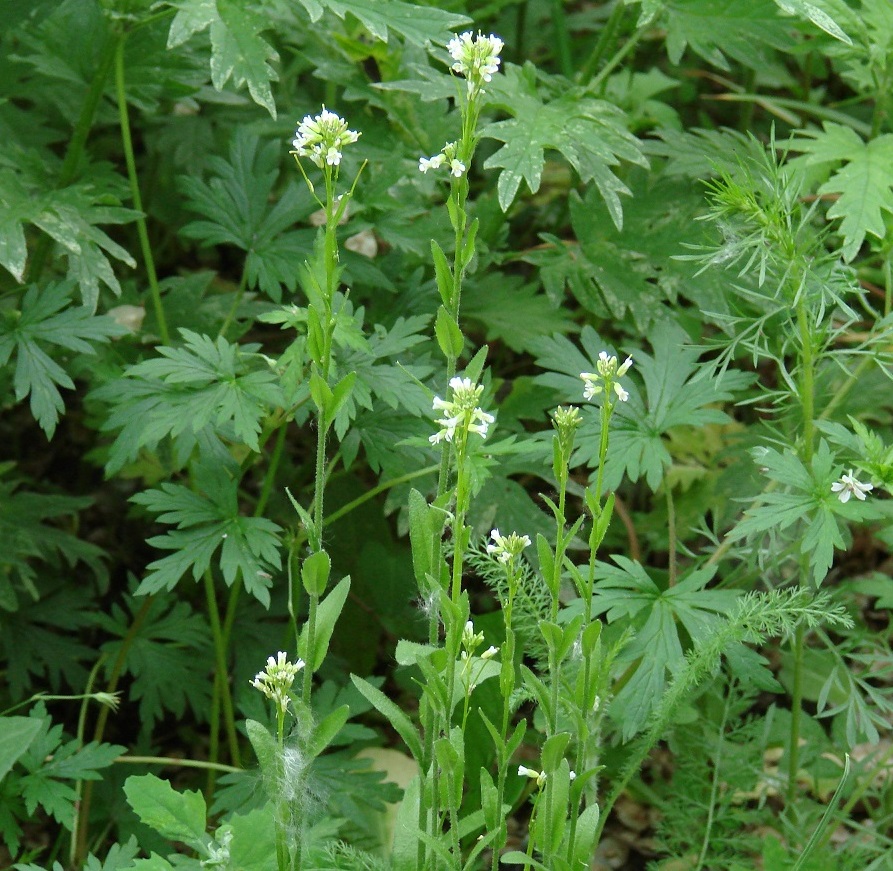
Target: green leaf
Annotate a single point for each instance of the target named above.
(164, 655)
(177, 816)
(71, 217)
(206, 521)
(238, 207)
(315, 573)
(268, 756)
(326, 617)
(16, 734)
(862, 186)
(627, 592)
(514, 311)
(397, 718)
(816, 15)
(717, 29)
(238, 51)
(327, 731)
(204, 390)
(591, 134)
(677, 395)
(48, 318)
(449, 336)
(50, 761)
(418, 25)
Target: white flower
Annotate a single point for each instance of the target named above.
(476, 58)
(605, 378)
(490, 652)
(848, 486)
(462, 413)
(533, 774)
(322, 137)
(506, 547)
(426, 163)
(457, 168)
(276, 679)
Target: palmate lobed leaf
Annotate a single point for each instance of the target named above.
(204, 391)
(717, 30)
(676, 395)
(626, 591)
(50, 760)
(418, 25)
(238, 51)
(47, 317)
(235, 205)
(208, 521)
(591, 134)
(862, 185)
(162, 653)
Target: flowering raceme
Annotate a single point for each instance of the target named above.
(322, 137)
(461, 414)
(476, 58)
(605, 379)
(507, 547)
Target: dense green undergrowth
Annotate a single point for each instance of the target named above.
(512, 378)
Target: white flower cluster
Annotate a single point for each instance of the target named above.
(322, 137)
(506, 547)
(276, 679)
(476, 58)
(447, 156)
(605, 379)
(848, 486)
(461, 413)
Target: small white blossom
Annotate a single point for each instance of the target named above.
(457, 168)
(848, 486)
(533, 774)
(322, 137)
(476, 58)
(506, 547)
(276, 679)
(462, 413)
(605, 378)
(490, 652)
(426, 163)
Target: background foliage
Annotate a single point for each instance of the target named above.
(705, 185)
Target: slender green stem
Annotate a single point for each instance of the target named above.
(231, 314)
(78, 141)
(671, 534)
(607, 35)
(807, 404)
(176, 762)
(226, 698)
(79, 784)
(141, 226)
(562, 39)
(616, 60)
